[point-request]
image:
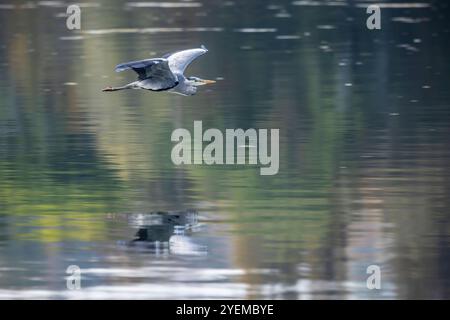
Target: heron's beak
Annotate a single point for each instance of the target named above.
(203, 81)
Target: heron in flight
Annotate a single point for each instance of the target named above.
(164, 74)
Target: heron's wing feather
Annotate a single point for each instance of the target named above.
(140, 64)
(160, 77)
(179, 61)
(154, 74)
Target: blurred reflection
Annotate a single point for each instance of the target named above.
(166, 232)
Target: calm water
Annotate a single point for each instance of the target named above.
(364, 120)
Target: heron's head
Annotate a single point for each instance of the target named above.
(195, 81)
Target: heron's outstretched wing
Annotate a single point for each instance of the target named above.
(154, 74)
(178, 61)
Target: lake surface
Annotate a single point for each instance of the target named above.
(364, 119)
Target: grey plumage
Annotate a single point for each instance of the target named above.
(166, 73)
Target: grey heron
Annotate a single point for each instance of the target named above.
(164, 74)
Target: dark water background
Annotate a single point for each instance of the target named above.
(364, 120)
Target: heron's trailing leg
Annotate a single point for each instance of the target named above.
(128, 86)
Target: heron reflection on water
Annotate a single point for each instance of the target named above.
(164, 74)
(166, 232)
